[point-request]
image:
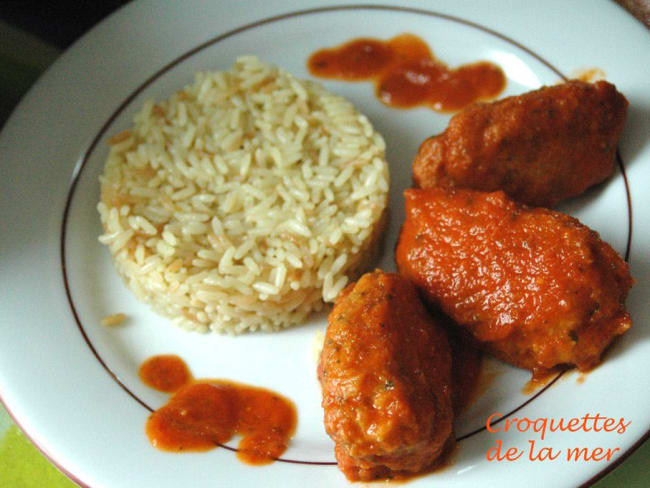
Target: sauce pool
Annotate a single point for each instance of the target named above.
(407, 74)
(165, 373)
(203, 414)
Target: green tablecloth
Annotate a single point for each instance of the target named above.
(22, 59)
(21, 464)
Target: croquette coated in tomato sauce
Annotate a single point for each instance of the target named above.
(539, 148)
(385, 372)
(533, 286)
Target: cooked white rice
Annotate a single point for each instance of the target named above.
(244, 201)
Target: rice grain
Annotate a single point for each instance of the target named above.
(245, 201)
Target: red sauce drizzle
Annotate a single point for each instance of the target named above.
(540, 378)
(166, 373)
(407, 74)
(201, 414)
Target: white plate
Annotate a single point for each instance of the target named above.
(72, 385)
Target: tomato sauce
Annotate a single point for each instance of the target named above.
(589, 75)
(466, 369)
(165, 373)
(541, 378)
(203, 414)
(406, 73)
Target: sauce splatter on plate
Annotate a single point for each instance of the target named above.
(203, 414)
(406, 74)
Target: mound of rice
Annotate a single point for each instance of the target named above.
(245, 201)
